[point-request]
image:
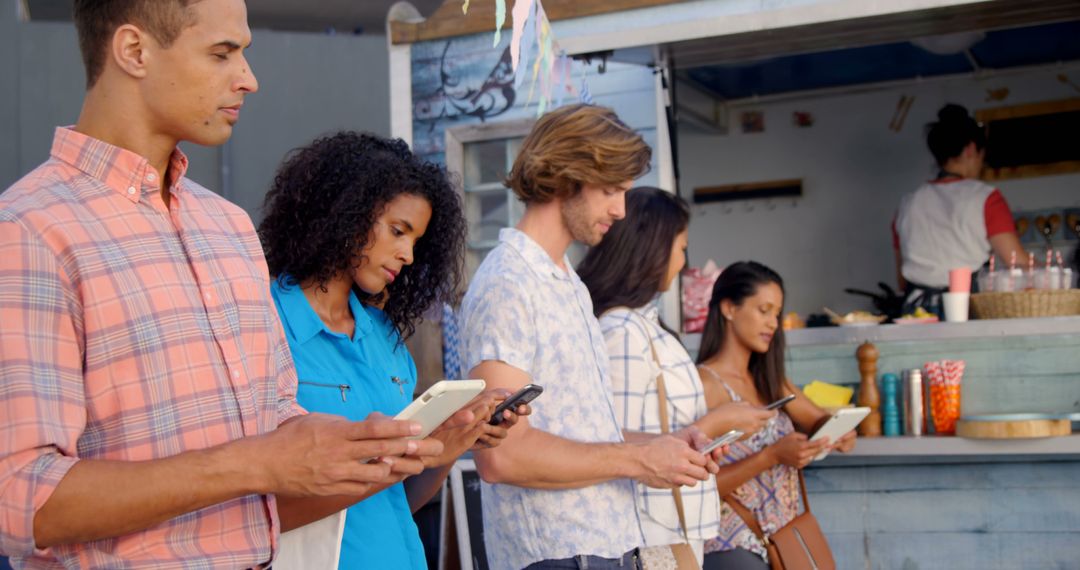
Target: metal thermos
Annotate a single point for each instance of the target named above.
(914, 409)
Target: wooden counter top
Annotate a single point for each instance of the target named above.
(996, 328)
(942, 449)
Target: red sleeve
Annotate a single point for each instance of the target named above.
(895, 235)
(999, 218)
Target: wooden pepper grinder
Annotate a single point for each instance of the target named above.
(868, 391)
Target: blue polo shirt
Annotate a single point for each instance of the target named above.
(353, 377)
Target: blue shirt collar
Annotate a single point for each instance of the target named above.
(302, 321)
(537, 259)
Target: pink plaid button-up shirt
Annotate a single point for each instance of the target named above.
(132, 331)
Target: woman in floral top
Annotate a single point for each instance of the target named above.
(742, 360)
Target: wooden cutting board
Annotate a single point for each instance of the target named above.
(1013, 426)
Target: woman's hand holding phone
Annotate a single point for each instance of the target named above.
(462, 430)
(845, 443)
(742, 416)
(795, 450)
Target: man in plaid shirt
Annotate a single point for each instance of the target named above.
(147, 396)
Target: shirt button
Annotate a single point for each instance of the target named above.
(236, 374)
(131, 190)
(151, 177)
(208, 297)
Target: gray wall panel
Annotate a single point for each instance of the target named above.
(51, 85)
(309, 84)
(9, 94)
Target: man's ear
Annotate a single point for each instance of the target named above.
(131, 49)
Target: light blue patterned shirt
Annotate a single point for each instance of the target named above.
(522, 309)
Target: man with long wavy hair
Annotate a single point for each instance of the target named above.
(559, 490)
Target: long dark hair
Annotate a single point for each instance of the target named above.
(953, 131)
(627, 268)
(737, 282)
(324, 201)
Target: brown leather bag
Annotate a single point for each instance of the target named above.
(799, 545)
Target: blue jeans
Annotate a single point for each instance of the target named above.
(628, 561)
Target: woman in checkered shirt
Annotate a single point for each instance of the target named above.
(636, 261)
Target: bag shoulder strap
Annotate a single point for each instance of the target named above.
(750, 520)
(665, 428)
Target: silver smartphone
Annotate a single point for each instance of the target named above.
(779, 403)
(729, 437)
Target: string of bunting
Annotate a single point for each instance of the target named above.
(532, 39)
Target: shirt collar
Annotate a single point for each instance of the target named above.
(304, 323)
(651, 311)
(120, 169)
(538, 260)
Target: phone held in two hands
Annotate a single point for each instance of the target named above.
(734, 435)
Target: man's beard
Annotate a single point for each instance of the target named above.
(575, 215)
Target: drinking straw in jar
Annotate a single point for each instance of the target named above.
(1031, 271)
(1012, 267)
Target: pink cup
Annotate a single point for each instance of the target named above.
(960, 280)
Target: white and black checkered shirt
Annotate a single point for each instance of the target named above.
(628, 333)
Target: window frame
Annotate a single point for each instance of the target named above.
(456, 140)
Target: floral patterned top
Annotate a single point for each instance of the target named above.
(773, 495)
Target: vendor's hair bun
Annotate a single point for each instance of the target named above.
(954, 130)
(953, 113)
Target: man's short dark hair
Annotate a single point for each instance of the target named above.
(97, 21)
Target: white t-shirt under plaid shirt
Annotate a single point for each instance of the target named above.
(628, 333)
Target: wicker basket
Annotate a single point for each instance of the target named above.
(1024, 304)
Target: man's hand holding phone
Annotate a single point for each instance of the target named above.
(322, 454)
(516, 405)
(409, 464)
(506, 414)
(668, 461)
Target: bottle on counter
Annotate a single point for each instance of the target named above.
(867, 356)
(914, 408)
(890, 405)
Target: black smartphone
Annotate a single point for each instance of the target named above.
(522, 396)
(780, 402)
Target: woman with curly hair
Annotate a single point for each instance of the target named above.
(362, 238)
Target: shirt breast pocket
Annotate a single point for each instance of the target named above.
(249, 315)
(328, 397)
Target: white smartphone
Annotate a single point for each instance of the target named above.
(843, 421)
(729, 437)
(439, 402)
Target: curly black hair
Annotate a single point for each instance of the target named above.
(324, 201)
